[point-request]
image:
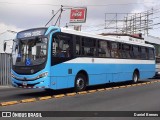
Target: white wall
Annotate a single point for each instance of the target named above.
(7, 37)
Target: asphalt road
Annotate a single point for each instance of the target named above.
(135, 98)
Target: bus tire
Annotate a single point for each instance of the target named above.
(80, 82)
(135, 77)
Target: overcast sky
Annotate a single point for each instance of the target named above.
(24, 14)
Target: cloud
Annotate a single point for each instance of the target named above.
(36, 13)
(150, 3)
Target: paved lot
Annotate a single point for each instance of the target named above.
(134, 98)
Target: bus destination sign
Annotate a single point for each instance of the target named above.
(31, 33)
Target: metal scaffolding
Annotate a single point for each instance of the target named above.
(129, 23)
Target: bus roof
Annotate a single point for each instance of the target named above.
(123, 39)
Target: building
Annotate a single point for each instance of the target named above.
(154, 41)
(5, 57)
(8, 37)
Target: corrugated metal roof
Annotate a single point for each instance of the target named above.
(152, 39)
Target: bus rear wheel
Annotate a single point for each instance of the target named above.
(135, 77)
(80, 83)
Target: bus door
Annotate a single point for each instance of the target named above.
(61, 52)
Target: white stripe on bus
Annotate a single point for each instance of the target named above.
(109, 61)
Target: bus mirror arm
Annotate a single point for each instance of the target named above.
(4, 46)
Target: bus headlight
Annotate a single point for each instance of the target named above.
(42, 75)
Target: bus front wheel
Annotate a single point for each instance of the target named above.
(80, 82)
(135, 77)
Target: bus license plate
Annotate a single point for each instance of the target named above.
(24, 83)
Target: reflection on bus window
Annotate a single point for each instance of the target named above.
(88, 47)
(33, 50)
(136, 52)
(61, 46)
(114, 50)
(151, 54)
(104, 50)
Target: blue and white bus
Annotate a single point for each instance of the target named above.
(58, 58)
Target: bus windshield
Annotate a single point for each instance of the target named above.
(29, 52)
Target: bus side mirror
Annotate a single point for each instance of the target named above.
(4, 46)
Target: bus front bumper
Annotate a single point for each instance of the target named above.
(40, 83)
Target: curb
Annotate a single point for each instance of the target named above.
(83, 92)
(45, 98)
(71, 94)
(8, 103)
(92, 91)
(28, 100)
(58, 96)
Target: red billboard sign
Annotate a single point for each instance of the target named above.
(78, 15)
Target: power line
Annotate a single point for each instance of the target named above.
(89, 5)
(53, 17)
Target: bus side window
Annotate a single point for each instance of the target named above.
(147, 53)
(61, 45)
(123, 51)
(114, 50)
(103, 49)
(54, 48)
(151, 54)
(126, 51)
(119, 50)
(143, 53)
(78, 45)
(88, 46)
(136, 52)
(131, 52)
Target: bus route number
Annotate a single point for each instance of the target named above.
(30, 34)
